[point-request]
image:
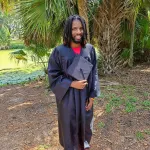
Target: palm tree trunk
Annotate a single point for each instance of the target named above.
(107, 30)
(132, 44)
(82, 6)
(136, 5)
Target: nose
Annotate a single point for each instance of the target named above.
(79, 31)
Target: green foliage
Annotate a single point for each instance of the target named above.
(146, 94)
(4, 32)
(4, 36)
(146, 104)
(113, 103)
(132, 99)
(8, 28)
(93, 5)
(102, 95)
(141, 41)
(99, 59)
(127, 101)
(16, 76)
(139, 135)
(142, 33)
(125, 53)
(101, 124)
(36, 53)
(7, 63)
(108, 108)
(19, 55)
(39, 54)
(147, 132)
(43, 20)
(38, 50)
(130, 107)
(43, 147)
(16, 46)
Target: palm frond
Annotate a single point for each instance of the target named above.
(18, 55)
(42, 20)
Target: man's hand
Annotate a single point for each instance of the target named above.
(89, 104)
(79, 84)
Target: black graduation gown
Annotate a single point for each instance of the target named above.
(73, 120)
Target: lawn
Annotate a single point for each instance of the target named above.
(7, 63)
(12, 72)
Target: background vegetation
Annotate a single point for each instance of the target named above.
(120, 30)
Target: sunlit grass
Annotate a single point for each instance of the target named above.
(20, 75)
(12, 72)
(7, 63)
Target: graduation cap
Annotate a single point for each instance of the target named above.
(80, 68)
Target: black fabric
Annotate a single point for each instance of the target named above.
(80, 68)
(73, 119)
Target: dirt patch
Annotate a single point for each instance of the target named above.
(28, 115)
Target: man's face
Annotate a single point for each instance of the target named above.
(77, 31)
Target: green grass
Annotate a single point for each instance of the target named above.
(6, 63)
(147, 132)
(130, 107)
(101, 124)
(16, 42)
(146, 104)
(139, 135)
(125, 97)
(114, 101)
(14, 73)
(20, 75)
(43, 147)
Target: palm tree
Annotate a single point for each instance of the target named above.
(135, 30)
(43, 20)
(4, 30)
(8, 19)
(7, 5)
(107, 30)
(42, 24)
(109, 18)
(83, 8)
(136, 5)
(36, 53)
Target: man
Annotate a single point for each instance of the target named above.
(74, 97)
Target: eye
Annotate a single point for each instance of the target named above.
(74, 29)
(81, 29)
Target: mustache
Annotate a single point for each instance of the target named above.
(77, 41)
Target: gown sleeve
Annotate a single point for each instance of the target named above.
(95, 86)
(59, 83)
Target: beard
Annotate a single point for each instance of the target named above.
(77, 41)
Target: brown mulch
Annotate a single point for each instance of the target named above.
(28, 116)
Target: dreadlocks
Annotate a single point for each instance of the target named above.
(67, 36)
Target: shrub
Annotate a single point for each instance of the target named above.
(16, 46)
